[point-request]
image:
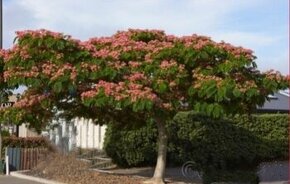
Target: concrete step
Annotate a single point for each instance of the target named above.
(103, 165)
(97, 158)
(92, 153)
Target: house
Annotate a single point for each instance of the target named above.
(277, 103)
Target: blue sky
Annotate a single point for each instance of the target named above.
(261, 25)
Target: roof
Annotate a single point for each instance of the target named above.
(278, 102)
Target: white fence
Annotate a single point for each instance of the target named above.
(88, 134)
(80, 132)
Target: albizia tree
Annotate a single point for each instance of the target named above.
(140, 74)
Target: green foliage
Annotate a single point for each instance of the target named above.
(19, 116)
(131, 146)
(30, 142)
(230, 143)
(5, 133)
(234, 141)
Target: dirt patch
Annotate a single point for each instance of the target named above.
(67, 169)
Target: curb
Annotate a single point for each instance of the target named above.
(19, 174)
(119, 174)
(275, 182)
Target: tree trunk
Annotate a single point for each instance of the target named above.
(158, 177)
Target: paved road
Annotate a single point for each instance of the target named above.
(274, 171)
(14, 180)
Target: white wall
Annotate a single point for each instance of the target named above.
(89, 135)
(26, 132)
(81, 133)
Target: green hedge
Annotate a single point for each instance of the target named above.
(228, 144)
(29, 142)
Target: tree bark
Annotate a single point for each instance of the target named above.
(158, 177)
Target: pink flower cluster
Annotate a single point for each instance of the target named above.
(116, 64)
(134, 64)
(108, 87)
(38, 33)
(112, 47)
(171, 38)
(89, 94)
(136, 92)
(121, 90)
(17, 50)
(90, 67)
(87, 45)
(48, 68)
(199, 42)
(67, 67)
(4, 54)
(105, 53)
(9, 53)
(20, 72)
(168, 64)
(274, 75)
(236, 51)
(29, 101)
(136, 77)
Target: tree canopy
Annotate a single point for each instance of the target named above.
(144, 71)
(142, 74)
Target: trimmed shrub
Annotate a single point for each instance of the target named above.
(131, 146)
(225, 144)
(29, 142)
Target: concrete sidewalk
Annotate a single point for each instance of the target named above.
(14, 180)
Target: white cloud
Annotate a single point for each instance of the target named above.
(260, 43)
(247, 39)
(89, 18)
